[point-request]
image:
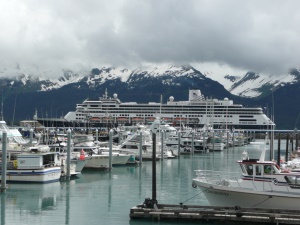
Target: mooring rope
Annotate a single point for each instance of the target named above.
(262, 201)
(190, 198)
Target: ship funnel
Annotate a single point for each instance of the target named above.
(194, 94)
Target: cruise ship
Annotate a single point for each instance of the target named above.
(197, 111)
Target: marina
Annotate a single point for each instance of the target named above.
(107, 196)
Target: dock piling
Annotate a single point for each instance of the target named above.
(278, 156)
(69, 154)
(4, 161)
(154, 167)
(141, 147)
(110, 147)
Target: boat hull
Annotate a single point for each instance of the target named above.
(98, 162)
(80, 164)
(228, 196)
(120, 159)
(46, 175)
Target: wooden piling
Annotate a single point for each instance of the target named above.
(278, 154)
(287, 148)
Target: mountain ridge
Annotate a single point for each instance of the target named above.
(30, 91)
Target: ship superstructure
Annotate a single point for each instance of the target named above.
(198, 110)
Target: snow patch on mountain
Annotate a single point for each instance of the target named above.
(251, 87)
(238, 82)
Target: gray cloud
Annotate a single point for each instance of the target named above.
(261, 36)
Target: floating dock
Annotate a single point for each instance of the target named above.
(215, 214)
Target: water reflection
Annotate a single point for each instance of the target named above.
(105, 197)
(33, 198)
(3, 206)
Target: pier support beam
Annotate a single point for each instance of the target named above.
(154, 201)
(141, 147)
(110, 147)
(278, 156)
(4, 162)
(97, 135)
(69, 154)
(162, 145)
(178, 151)
(287, 148)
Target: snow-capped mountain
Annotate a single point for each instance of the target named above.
(255, 85)
(251, 84)
(97, 77)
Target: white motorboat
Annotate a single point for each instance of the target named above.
(97, 159)
(118, 158)
(186, 144)
(262, 184)
(215, 144)
(34, 167)
(15, 141)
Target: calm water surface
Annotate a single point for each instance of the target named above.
(105, 197)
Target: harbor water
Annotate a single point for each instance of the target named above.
(105, 197)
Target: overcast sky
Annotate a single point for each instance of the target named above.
(257, 35)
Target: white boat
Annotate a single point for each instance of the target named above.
(186, 144)
(197, 110)
(38, 167)
(118, 158)
(78, 159)
(75, 162)
(215, 144)
(261, 184)
(97, 159)
(15, 141)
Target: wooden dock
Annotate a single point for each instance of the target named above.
(215, 214)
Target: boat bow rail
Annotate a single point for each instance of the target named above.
(217, 177)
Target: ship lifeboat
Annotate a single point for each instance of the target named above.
(194, 120)
(137, 119)
(122, 119)
(150, 118)
(167, 119)
(180, 119)
(95, 119)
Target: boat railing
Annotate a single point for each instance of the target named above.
(218, 177)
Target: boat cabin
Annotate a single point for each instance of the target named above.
(35, 161)
(254, 167)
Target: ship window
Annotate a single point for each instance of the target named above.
(249, 169)
(268, 169)
(258, 170)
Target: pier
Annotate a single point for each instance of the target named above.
(189, 213)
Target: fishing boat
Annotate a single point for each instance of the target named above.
(34, 167)
(262, 184)
(196, 110)
(15, 140)
(78, 159)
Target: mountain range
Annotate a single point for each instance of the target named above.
(25, 91)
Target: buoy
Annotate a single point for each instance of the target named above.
(82, 156)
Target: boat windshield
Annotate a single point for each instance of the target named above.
(258, 169)
(293, 181)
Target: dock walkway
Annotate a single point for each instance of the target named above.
(215, 214)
